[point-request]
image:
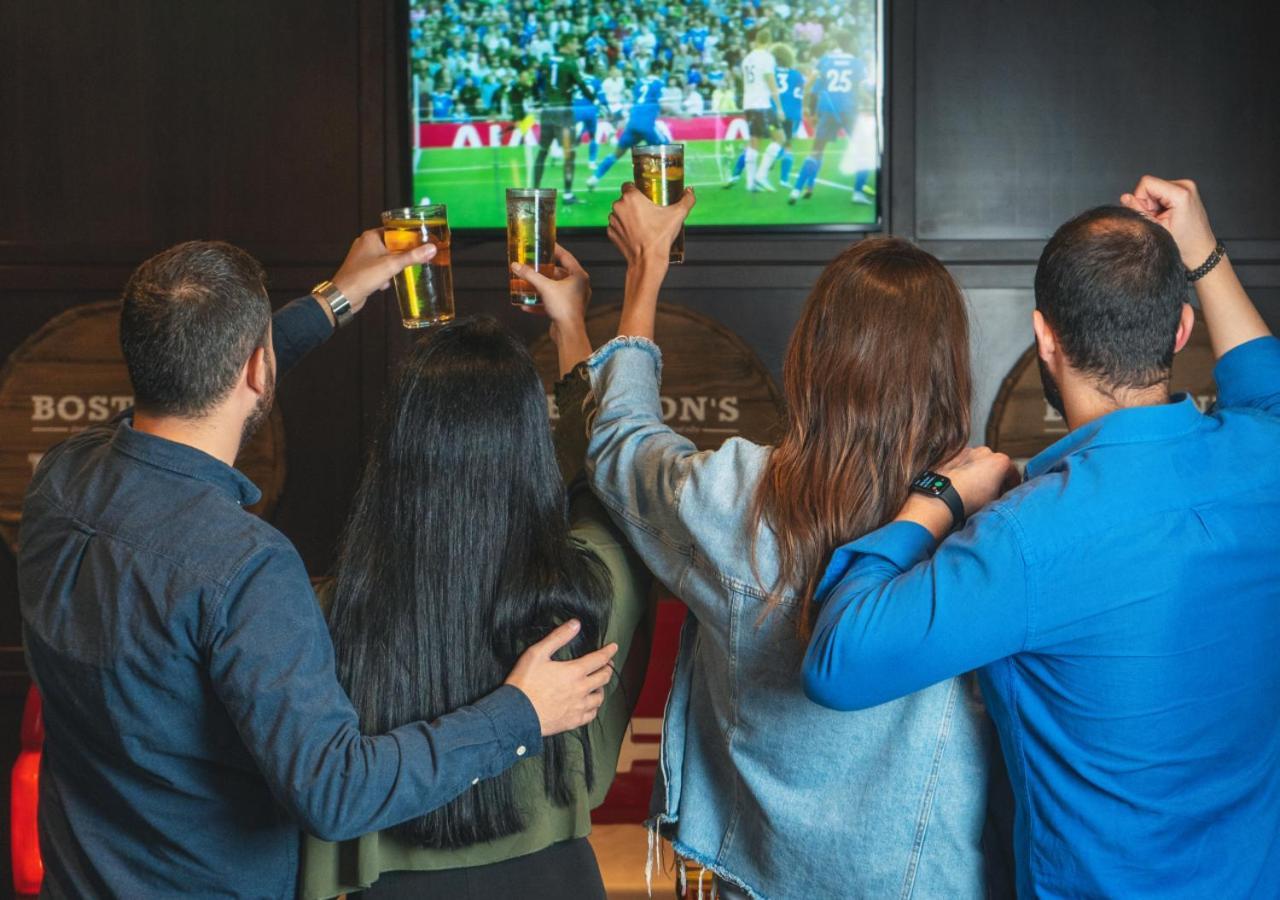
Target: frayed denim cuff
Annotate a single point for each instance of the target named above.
(605, 353)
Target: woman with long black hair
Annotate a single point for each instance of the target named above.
(461, 550)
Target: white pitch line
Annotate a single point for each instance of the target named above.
(782, 189)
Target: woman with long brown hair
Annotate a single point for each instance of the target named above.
(774, 795)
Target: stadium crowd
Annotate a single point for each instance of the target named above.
(479, 58)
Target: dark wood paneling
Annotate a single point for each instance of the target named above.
(1028, 112)
(133, 125)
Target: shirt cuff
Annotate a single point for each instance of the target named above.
(514, 720)
(297, 329)
(902, 544)
(1247, 371)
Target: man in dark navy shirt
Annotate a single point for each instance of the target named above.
(192, 713)
(1122, 607)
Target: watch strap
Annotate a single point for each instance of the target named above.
(951, 497)
(948, 495)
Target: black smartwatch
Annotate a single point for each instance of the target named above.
(931, 484)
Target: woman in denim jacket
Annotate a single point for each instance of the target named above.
(777, 796)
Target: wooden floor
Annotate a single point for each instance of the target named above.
(621, 852)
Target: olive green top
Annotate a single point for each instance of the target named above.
(329, 869)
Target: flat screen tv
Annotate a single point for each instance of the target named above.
(779, 106)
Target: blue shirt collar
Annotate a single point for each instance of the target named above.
(185, 460)
(1133, 424)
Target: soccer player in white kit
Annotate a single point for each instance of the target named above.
(763, 106)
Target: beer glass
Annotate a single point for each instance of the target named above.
(425, 292)
(659, 174)
(531, 238)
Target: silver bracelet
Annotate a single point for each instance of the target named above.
(327, 292)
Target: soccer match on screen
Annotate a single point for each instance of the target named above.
(778, 105)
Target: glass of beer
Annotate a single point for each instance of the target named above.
(659, 174)
(531, 238)
(425, 292)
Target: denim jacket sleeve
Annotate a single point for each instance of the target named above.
(636, 464)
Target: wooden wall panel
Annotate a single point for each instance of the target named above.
(1028, 112)
(133, 125)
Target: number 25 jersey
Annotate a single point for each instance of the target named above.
(838, 77)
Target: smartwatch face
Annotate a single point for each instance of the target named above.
(931, 483)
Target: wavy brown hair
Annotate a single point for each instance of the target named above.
(878, 387)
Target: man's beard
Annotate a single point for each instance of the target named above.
(1052, 393)
(260, 412)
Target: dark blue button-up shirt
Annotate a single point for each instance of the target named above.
(193, 719)
(1123, 607)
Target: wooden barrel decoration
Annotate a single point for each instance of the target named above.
(713, 386)
(70, 375)
(1022, 423)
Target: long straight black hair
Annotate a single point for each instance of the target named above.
(457, 556)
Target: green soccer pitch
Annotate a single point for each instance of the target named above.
(472, 183)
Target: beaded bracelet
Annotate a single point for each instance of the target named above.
(1207, 266)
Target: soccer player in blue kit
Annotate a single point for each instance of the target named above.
(641, 127)
(835, 85)
(791, 84)
(586, 115)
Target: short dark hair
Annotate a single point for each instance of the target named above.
(1111, 285)
(191, 317)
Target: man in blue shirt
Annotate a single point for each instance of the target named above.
(594, 45)
(1123, 605)
(442, 100)
(696, 36)
(193, 716)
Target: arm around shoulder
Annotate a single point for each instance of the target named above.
(895, 619)
(271, 664)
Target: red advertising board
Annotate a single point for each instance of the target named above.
(485, 133)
